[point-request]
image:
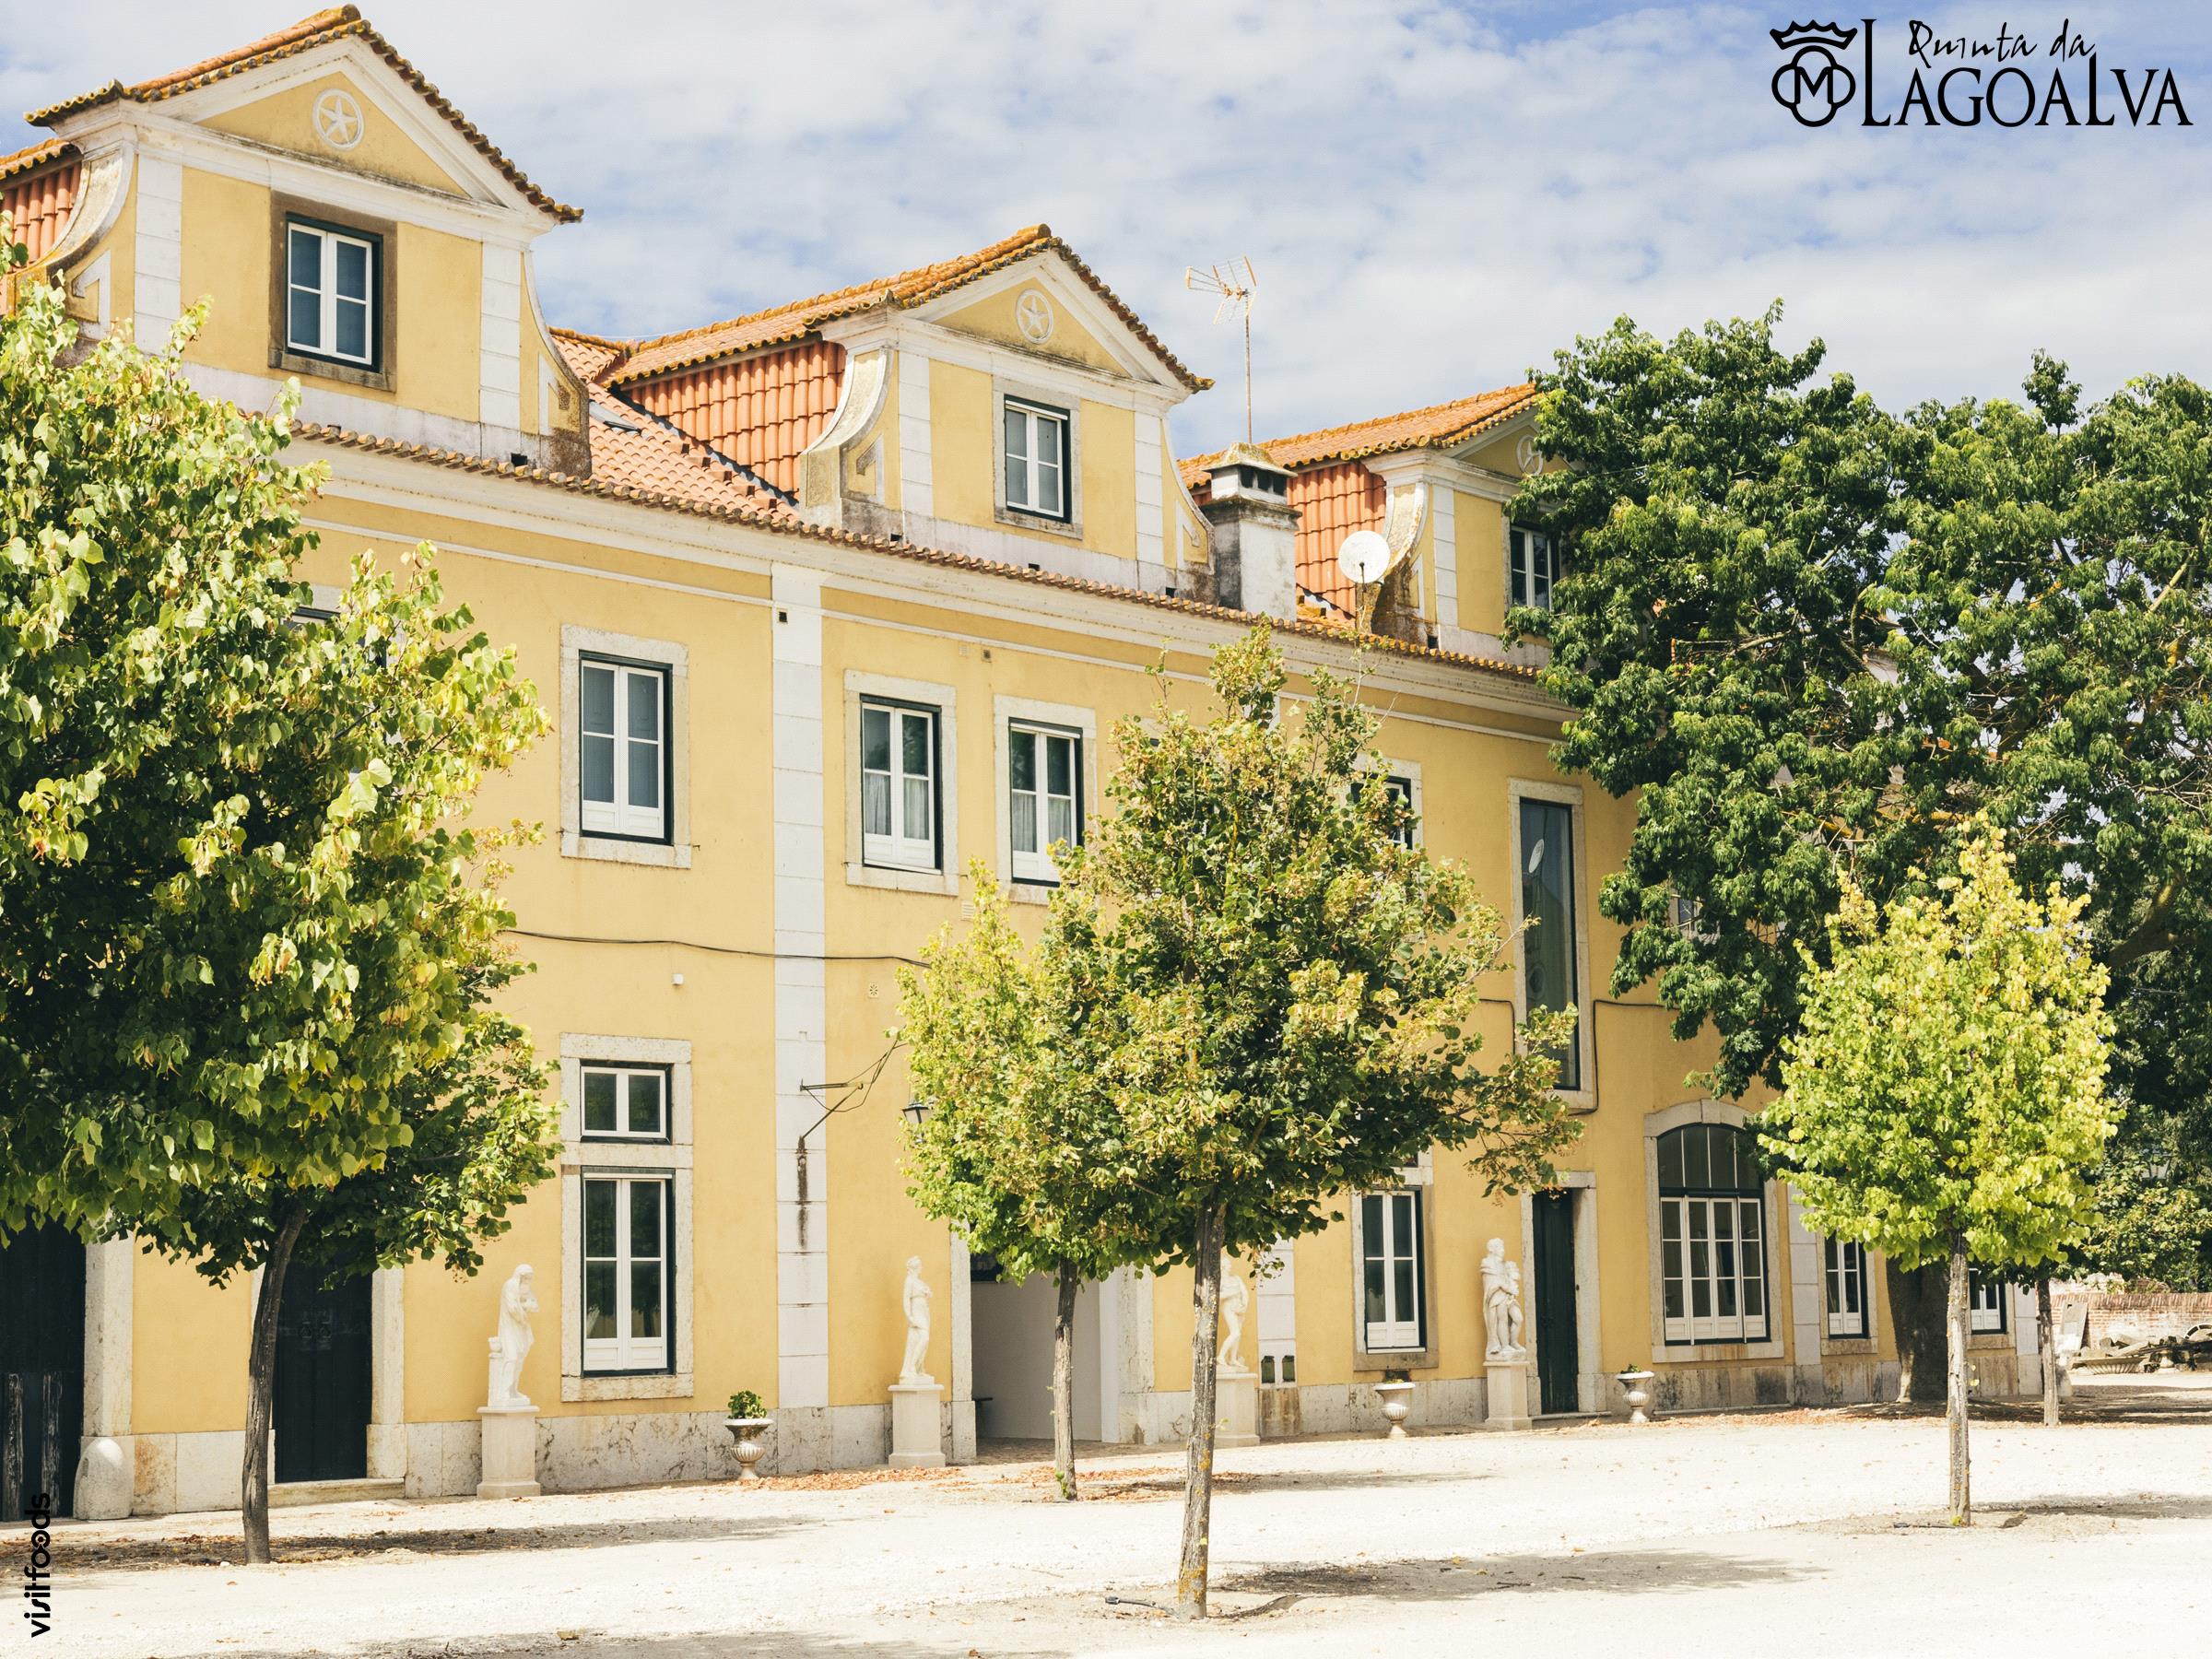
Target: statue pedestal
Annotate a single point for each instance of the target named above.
(1509, 1395)
(917, 1425)
(510, 1451)
(1236, 1409)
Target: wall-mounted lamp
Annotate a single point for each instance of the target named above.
(915, 1112)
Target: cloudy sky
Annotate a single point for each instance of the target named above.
(1435, 196)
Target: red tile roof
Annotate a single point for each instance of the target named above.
(641, 488)
(1440, 426)
(761, 410)
(1331, 502)
(38, 187)
(302, 36)
(798, 318)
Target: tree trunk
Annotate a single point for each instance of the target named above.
(2049, 1350)
(1198, 1469)
(1962, 1506)
(261, 1377)
(1063, 1383)
(1916, 1315)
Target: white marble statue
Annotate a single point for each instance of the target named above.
(1235, 1299)
(914, 1298)
(518, 1301)
(1501, 1303)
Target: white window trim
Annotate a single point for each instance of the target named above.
(1506, 559)
(1985, 1321)
(1046, 427)
(1828, 1316)
(1517, 790)
(898, 847)
(609, 1356)
(1365, 1358)
(946, 877)
(1411, 771)
(1004, 712)
(622, 1132)
(576, 644)
(619, 817)
(672, 1158)
(327, 315)
(1680, 1350)
(1071, 527)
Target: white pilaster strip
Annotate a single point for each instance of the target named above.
(157, 278)
(388, 1373)
(1808, 1300)
(1151, 501)
(916, 490)
(499, 383)
(1444, 519)
(107, 1472)
(1278, 1309)
(801, 994)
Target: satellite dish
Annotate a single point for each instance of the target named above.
(1364, 557)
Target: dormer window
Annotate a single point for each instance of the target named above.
(332, 286)
(1036, 455)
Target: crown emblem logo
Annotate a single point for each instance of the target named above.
(1826, 35)
(1813, 85)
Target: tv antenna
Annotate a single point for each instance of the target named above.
(1233, 284)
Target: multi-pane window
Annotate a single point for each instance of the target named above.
(626, 1273)
(1713, 1245)
(624, 741)
(330, 293)
(1390, 1270)
(1401, 788)
(1036, 447)
(1846, 1275)
(899, 785)
(625, 1102)
(1533, 565)
(1548, 954)
(1044, 796)
(1984, 1301)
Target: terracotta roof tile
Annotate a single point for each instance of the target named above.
(38, 187)
(304, 35)
(783, 521)
(1440, 426)
(795, 319)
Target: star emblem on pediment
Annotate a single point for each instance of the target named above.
(1034, 316)
(338, 120)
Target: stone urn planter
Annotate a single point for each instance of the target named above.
(1397, 1400)
(1636, 1387)
(751, 1433)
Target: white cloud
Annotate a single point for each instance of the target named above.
(1435, 196)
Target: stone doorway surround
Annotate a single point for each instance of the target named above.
(1581, 1188)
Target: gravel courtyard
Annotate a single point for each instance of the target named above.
(1814, 1529)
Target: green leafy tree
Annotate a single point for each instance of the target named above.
(1005, 1153)
(1271, 1000)
(1945, 1099)
(1810, 635)
(246, 941)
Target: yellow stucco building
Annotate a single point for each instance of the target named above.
(826, 600)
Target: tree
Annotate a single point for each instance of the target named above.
(245, 944)
(1945, 1097)
(1004, 1153)
(1811, 636)
(1271, 1000)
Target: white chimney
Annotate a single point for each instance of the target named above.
(1254, 530)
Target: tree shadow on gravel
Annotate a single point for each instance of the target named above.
(220, 1547)
(1612, 1571)
(1122, 1489)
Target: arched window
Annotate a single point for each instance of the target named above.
(1712, 1236)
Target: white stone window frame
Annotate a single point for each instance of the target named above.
(328, 240)
(1584, 1098)
(1410, 772)
(576, 644)
(1590, 1382)
(1006, 712)
(946, 877)
(1808, 1294)
(1985, 1310)
(1061, 401)
(1505, 553)
(580, 1157)
(1424, 1357)
(1779, 1281)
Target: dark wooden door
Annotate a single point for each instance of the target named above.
(41, 1369)
(322, 1389)
(1558, 1362)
